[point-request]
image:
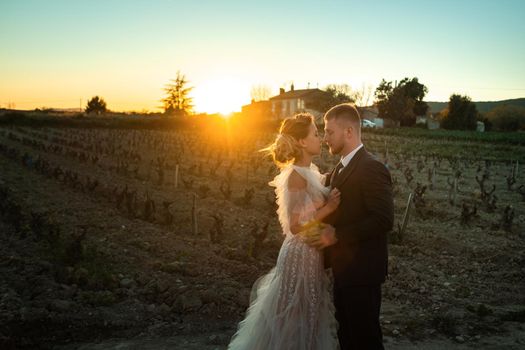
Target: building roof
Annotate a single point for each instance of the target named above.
(296, 94)
(256, 103)
(368, 111)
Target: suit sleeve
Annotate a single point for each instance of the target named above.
(379, 204)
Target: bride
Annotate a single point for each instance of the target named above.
(291, 306)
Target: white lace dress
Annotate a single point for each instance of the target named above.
(291, 306)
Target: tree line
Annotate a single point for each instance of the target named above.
(401, 103)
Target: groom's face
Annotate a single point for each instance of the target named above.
(334, 136)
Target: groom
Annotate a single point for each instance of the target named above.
(357, 249)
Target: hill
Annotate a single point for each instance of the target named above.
(483, 106)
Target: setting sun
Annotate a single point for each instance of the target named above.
(221, 95)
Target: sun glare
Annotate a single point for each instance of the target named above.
(223, 95)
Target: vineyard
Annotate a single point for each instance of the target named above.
(118, 233)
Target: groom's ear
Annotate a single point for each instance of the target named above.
(348, 131)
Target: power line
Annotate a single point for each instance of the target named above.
(506, 89)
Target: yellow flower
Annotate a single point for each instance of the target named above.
(312, 229)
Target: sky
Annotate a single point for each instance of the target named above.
(59, 54)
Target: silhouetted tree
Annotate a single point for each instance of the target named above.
(331, 96)
(401, 103)
(177, 100)
(96, 105)
(461, 114)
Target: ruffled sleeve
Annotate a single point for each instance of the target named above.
(294, 207)
(301, 207)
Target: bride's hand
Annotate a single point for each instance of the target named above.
(325, 238)
(334, 198)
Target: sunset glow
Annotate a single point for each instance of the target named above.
(61, 53)
(221, 95)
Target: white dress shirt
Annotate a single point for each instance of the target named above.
(346, 159)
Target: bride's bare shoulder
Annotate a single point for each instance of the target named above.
(296, 182)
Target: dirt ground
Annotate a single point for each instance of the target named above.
(112, 280)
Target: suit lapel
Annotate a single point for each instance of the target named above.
(349, 169)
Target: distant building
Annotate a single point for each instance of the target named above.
(421, 119)
(288, 103)
(257, 110)
(480, 126)
(431, 122)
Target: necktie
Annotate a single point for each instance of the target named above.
(336, 172)
(339, 167)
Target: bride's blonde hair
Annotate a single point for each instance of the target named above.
(285, 148)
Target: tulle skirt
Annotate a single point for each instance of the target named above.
(291, 307)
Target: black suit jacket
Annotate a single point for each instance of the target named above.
(362, 221)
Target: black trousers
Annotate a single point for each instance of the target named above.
(357, 312)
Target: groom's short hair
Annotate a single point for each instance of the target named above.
(344, 111)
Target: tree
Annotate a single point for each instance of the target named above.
(507, 117)
(340, 93)
(177, 100)
(401, 103)
(96, 105)
(331, 96)
(461, 114)
(260, 93)
(362, 96)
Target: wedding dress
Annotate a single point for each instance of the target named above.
(291, 307)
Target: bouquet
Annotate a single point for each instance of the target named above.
(311, 231)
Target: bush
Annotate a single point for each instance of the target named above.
(507, 118)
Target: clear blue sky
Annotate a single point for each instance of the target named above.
(54, 53)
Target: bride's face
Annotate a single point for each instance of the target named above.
(312, 142)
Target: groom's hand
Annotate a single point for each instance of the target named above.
(325, 239)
